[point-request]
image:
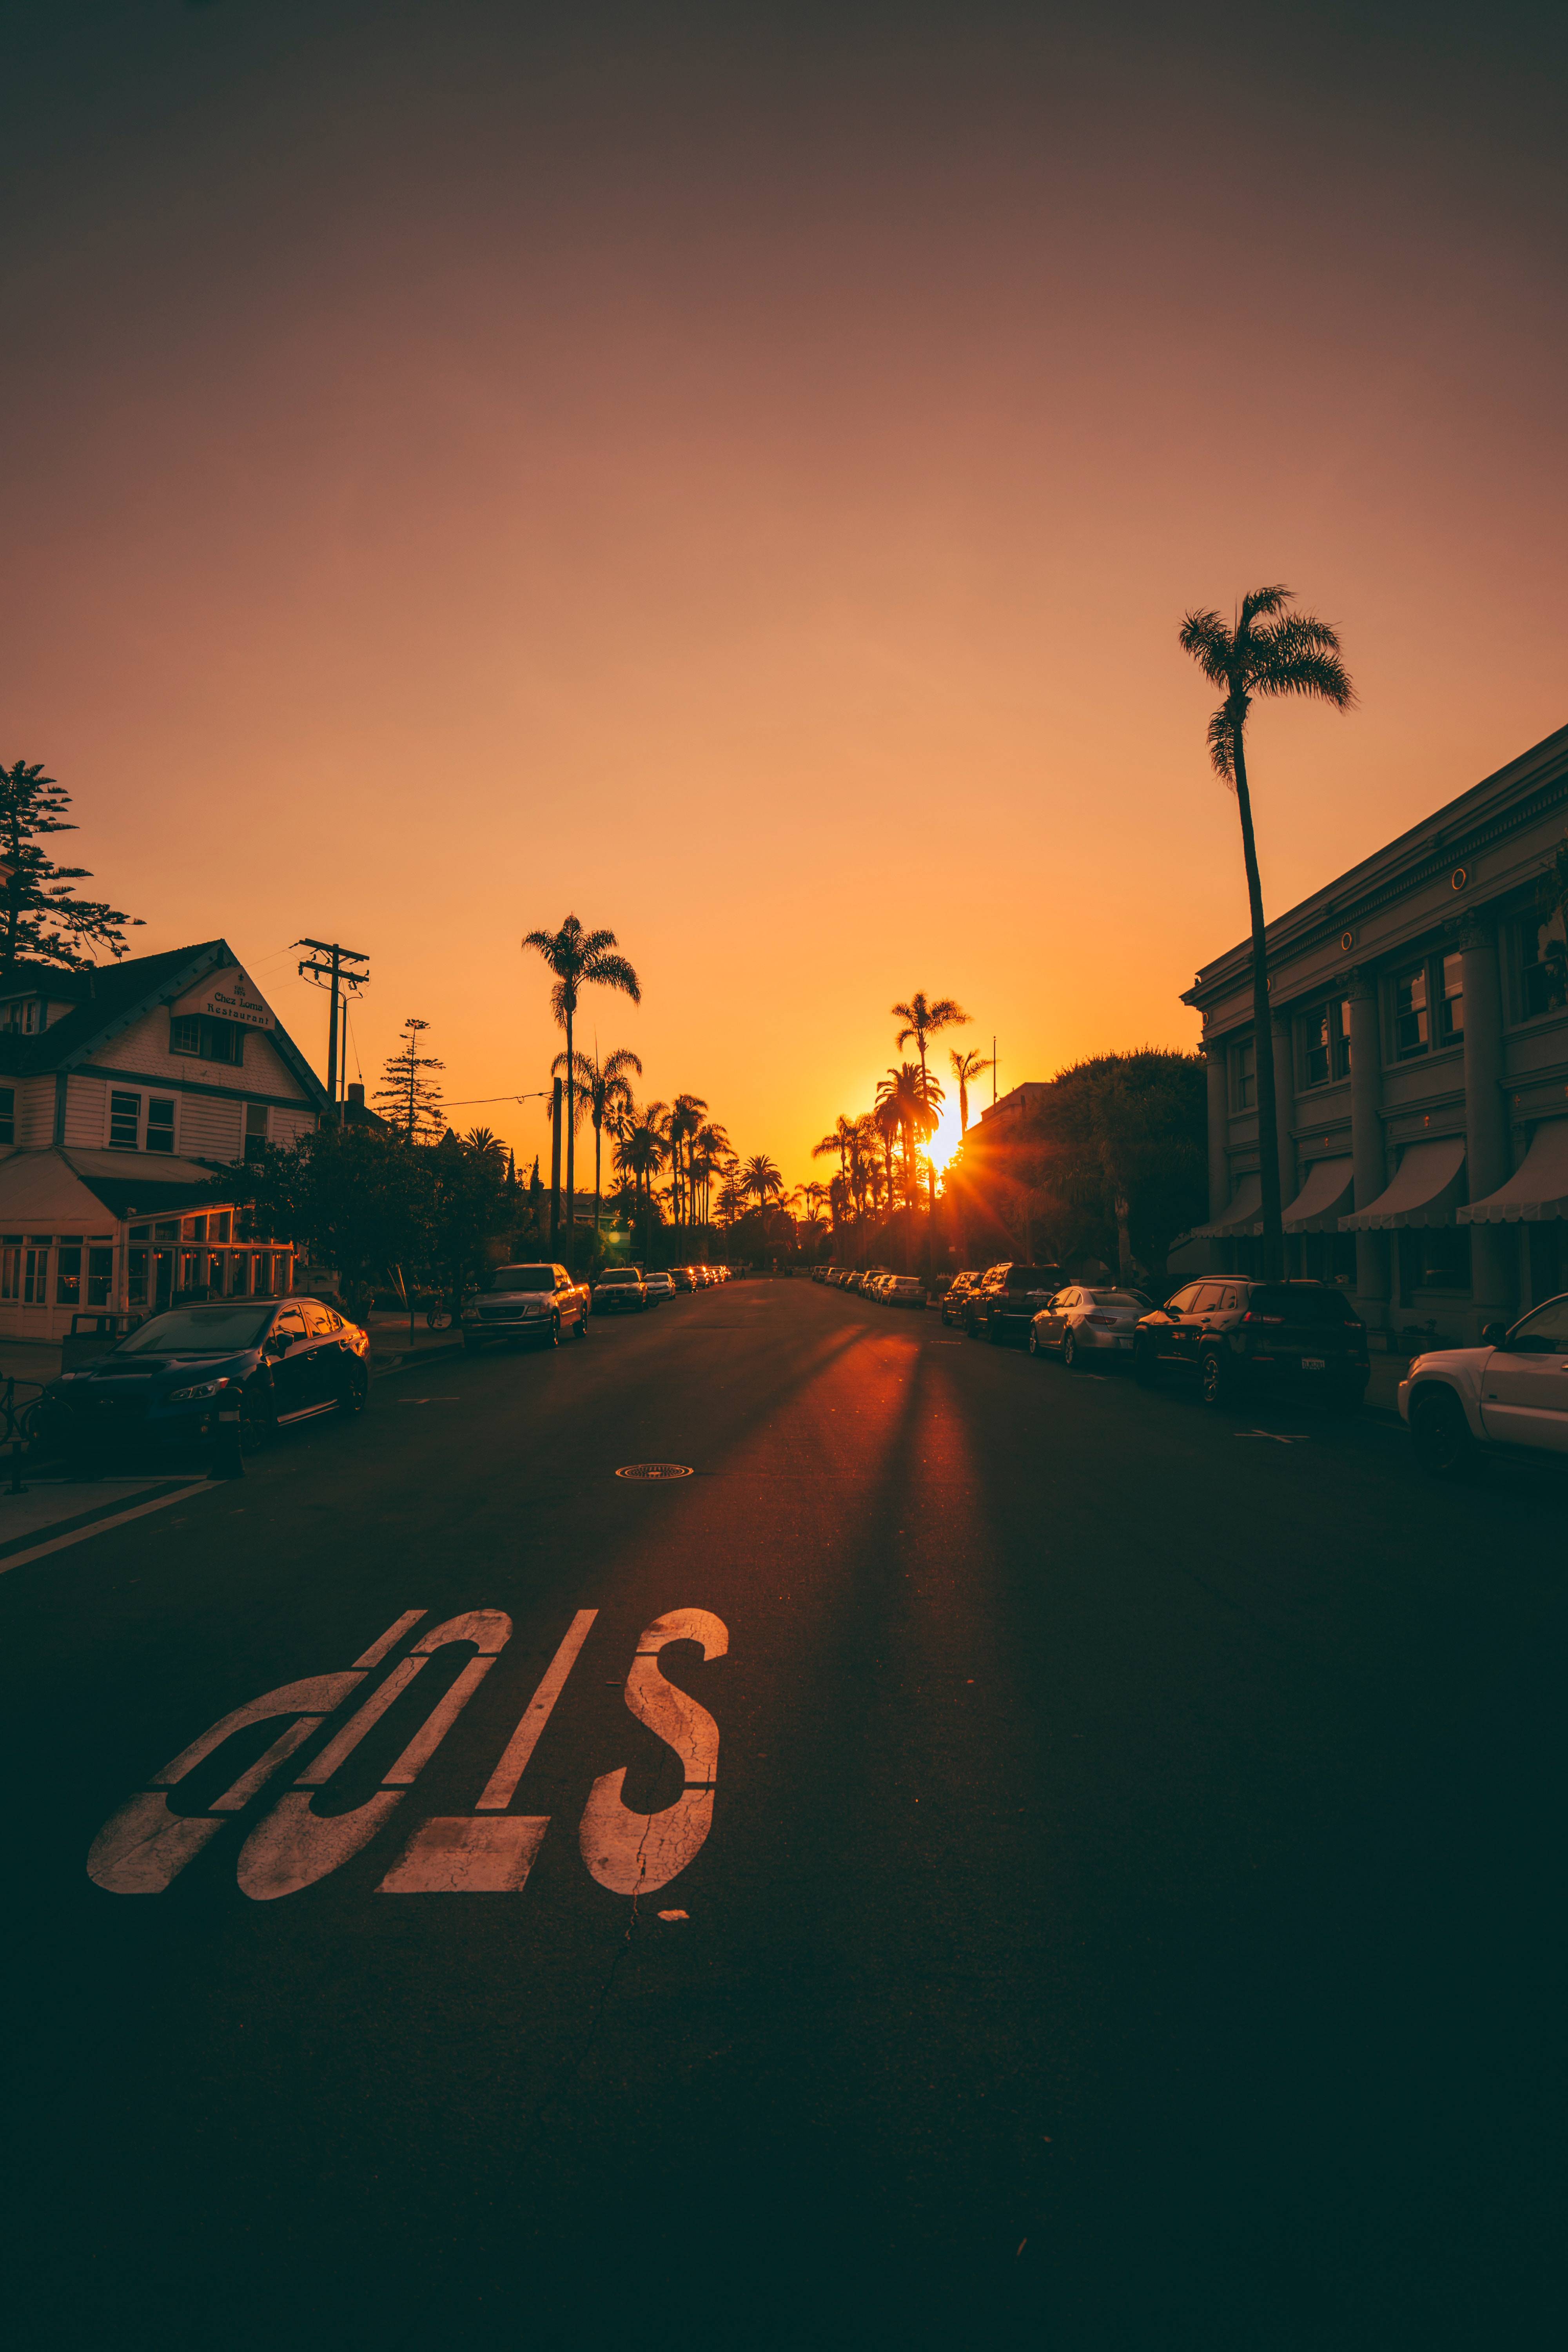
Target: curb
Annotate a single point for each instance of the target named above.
(442, 1355)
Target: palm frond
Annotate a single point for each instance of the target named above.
(1259, 604)
(1222, 744)
(1302, 655)
(607, 971)
(1205, 635)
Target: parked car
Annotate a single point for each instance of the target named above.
(620, 1290)
(528, 1302)
(1235, 1336)
(955, 1297)
(684, 1277)
(904, 1290)
(658, 1285)
(164, 1384)
(1510, 1393)
(1007, 1299)
(1082, 1324)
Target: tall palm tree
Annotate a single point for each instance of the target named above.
(839, 1138)
(685, 1124)
(1270, 650)
(603, 1093)
(965, 1066)
(761, 1177)
(921, 1020)
(579, 960)
(640, 1153)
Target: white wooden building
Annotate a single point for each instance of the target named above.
(122, 1091)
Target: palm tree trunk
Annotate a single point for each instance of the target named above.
(1262, 1036)
(598, 1180)
(570, 1146)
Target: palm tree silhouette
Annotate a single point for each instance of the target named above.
(1290, 653)
(605, 1094)
(640, 1153)
(579, 960)
(760, 1176)
(965, 1066)
(922, 1020)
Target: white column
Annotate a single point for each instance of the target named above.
(1366, 1143)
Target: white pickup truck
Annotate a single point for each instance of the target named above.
(1511, 1392)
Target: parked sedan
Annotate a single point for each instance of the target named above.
(527, 1302)
(904, 1290)
(955, 1298)
(1510, 1392)
(684, 1277)
(1236, 1337)
(657, 1286)
(1084, 1325)
(620, 1290)
(165, 1384)
(1006, 1301)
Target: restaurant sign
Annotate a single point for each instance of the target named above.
(227, 995)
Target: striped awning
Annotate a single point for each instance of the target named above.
(1537, 1190)
(1426, 1190)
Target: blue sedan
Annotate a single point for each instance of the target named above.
(165, 1384)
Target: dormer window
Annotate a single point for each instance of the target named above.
(206, 1040)
(26, 1013)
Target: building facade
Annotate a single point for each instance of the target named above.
(1419, 1015)
(121, 1092)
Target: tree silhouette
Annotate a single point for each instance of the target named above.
(579, 960)
(41, 917)
(413, 1101)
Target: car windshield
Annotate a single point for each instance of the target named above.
(1133, 1299)
(1033, 1277)
(1302, 1306)
(524, 1277)
(619, 1273)
(197, 1331)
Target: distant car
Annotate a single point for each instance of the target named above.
(956, 1297)
(1240, 1337)
(658, 1285)
(1083, 1323)
(527, 1302)
(165, 1384)
(620, 1290)
(904, 1290)
(1006, 1300)
(683, 1276)
(1509, 1392)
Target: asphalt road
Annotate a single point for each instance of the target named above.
(1127, 1917)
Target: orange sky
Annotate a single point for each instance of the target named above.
(738, 477)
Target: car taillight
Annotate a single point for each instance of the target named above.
(1250, 1317)
(1109, 1320)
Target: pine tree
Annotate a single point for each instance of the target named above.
(42, 920)
(413, 1101)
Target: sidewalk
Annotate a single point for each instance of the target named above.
(391, 1344)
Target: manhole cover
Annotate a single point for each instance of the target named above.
(653, 1470)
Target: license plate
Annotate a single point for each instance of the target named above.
(1314, 1364)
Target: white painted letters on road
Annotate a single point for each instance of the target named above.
(633, 1854)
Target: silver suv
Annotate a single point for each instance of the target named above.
(527, 1302)
(1511, 1391)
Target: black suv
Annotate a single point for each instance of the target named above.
(1006, 1300)
(1237, 1337)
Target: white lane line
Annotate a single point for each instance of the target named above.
(391, 1638)
(100, 1526)
(501, 1786)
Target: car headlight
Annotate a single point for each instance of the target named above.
(191, 1395)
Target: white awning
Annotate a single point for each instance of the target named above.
(1243, 1214)
(1537, 1190)
(1426, 1191)
(1322, 1199)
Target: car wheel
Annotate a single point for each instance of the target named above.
(1034, 1342)
(353, 1398)
(1213, 1381)
(583, 1326)
(1444, 1446)
(1145, 1365)
(1072, 1354)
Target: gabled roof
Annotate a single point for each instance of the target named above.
(112, 996)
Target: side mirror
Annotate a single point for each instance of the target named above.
(1494, 1334)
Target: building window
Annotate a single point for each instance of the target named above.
(35, 1276)
(1451, 1004)
(209, 1040)
(1412, 1027)
(255, 1131)
(25, 1014)
(67, 1278)
(11, 1267)
(223, 1225)
(136, 1278)
(1326, 1044)
(193, 1229)
(1544, 959)
(141, 1122)
(239, 1275)
(1434, 1257)
(124, 1122)
(7, 1114)
(100, 1276)
(1244, 1070)
(160, 1124)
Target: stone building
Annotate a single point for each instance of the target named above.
(121, 1091)
(1419, 1009)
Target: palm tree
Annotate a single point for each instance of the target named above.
(640, 1153)
(760, 1176)
(685, 1124)
(922, 1020)
(839, 1138)
(605, 1093)
(579, 960)
(1290, 653)
(484, 1144)
(965, 1066)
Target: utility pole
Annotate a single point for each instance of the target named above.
(555, 1166)
(993, 1073)
(341, 982)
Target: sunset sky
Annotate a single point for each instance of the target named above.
(736, 474)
